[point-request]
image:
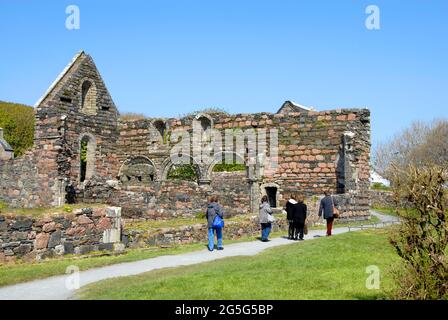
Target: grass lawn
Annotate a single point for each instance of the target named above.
(324, 268)
(178, 222)
(385, 210)
(44, 211)
(22, 272)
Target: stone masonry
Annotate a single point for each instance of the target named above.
(79, 232)
(128, 162)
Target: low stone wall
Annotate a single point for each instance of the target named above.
(80, 232)
(383, 199)
(353, 206)
(196, 233)
(19, 186)
(172, 198)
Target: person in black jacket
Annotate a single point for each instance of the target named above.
(290, 208)
(299, 217)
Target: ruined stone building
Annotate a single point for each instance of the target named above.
(127, 162)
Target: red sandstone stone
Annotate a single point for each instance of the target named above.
(84, 220)
(100, 212)
(41, 241)
(49, 227)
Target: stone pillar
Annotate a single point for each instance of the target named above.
(113, 235)
(350, 175)
(254, 191)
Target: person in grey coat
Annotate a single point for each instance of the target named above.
(264, 213)
(213, 210)
(326, 210)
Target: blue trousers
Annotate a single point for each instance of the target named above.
(265, 230)
(211, 237)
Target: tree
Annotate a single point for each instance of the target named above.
(421, 239)
(17, 120)
(421, 144)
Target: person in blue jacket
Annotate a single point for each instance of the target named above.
(213, 210)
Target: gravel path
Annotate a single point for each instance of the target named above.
(54, 288)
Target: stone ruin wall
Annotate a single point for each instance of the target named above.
(39, 178)
(317, 150)
(313, 155)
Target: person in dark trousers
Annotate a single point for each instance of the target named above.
(70, 193)
(299, 217)
(290, 207)
(214, 209)
(264, 213)
(326, 210)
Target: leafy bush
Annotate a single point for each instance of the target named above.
(17, 120)
(422, 238)
(3, 206)
(379, 186)
(229, 167)
(68, 208)
(183, 172)
(212, 110)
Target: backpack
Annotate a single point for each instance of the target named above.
(218, 222)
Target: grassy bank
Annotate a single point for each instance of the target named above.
(23, 271)
(324, 268)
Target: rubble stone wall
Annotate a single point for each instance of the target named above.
(128, 161)
(32, 239)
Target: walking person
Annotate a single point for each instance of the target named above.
(265, 215)
(326, 210)
(214, 210)
(290, 207)
(299, 217)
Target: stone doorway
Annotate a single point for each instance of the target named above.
(271, 192)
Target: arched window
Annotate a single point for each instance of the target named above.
(88, 98)
(205, 123)
(137, 171)
(161, 128)
(87, 151)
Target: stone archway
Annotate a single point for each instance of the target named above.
(218, 158)
(167, 164)
(272, 191)
(137, 170)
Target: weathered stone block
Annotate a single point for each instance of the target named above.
(22, 225)
(55, 239)
(41, 241)
(22, 249)
(69, 248)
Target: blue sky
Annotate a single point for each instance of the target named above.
(165, 58)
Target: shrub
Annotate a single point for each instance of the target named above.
(3, 206)
(422, 238)
(379, 186)
(229, 167)
(68, 208)
(17, 120)
(183, 172)
(211, 110)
